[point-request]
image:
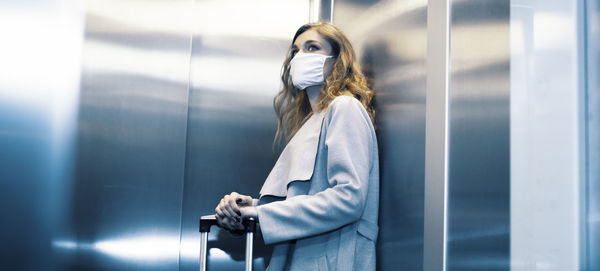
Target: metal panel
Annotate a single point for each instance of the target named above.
(131, 136)
(479, 120)
(237, 55)
(593, 133)
(547, 135)
(39, 88)
(390, 38)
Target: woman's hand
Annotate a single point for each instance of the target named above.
(234, 208)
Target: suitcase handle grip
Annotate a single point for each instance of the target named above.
(207, 221)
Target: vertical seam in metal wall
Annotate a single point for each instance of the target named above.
(446, 129)
(314, 11)
(585, 256)
(187, 114)
(331, 11)
(436, 137)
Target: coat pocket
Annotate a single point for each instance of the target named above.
(364, 253)
(368, 229)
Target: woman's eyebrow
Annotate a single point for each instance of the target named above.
(306, 42)
(313, 41)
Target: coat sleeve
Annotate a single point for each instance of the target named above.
(349, 140)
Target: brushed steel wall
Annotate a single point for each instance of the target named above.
(175, 111)
(478, 203)
(548, 184)
(126, 212)
(390, 38)
(236, 59)
(39, 77)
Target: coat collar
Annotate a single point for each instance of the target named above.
(297, 160)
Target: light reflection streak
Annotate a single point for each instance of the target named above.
(147, 248)
(64, 244)
(218, 75)
(553, 31)
(207, 16)
(109, 57)
(218, 254)
(216, 17)
(259, 75)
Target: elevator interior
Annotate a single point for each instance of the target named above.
(121, 122)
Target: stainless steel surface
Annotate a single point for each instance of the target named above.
(237, 54)
(321, 10)
(249, 248)
(203, 251)
(314, 11)
(39, 77)
(547, 136)
(131, 136)
(327, 10)
(436, 139)
(593, 133)
(175, 111)
(390, 38)
(478, 229)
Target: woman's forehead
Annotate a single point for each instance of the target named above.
(310, 34)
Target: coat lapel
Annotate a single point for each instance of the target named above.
(297, 160)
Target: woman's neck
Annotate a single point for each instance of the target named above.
(313, 93)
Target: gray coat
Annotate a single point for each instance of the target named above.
(319, 204)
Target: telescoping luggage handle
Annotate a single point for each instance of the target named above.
(208, 221)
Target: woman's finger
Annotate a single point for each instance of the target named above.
(232, 215)
(220, 221)
(226, 211)
(233, 199)
(231, 224)
(234, 225)
(219, 208)
(219, 211)
(232, 206)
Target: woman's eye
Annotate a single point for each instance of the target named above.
(313, 48)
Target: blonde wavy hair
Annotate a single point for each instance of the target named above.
(292, 105)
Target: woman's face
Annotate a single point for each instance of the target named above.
(312, 42)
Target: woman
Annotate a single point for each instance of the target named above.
(319, 204)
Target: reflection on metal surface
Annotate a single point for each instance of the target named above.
(131, 136)
(391, 40)
(547, 136)
(436, 138)
(39, 78)
(314, 11)
(237, 54)
(593, 134)
(150, 248)
(479, 119)
(175, 111)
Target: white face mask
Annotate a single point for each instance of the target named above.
(306, 69)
